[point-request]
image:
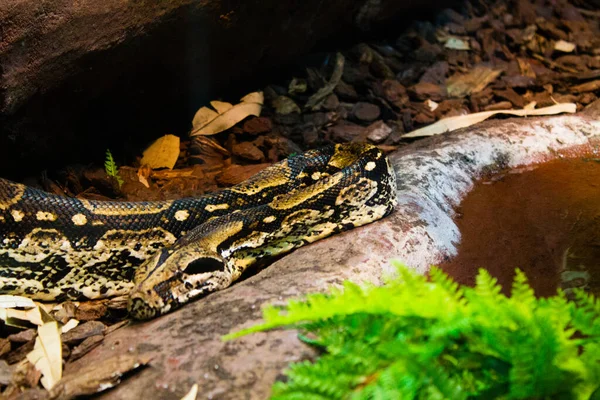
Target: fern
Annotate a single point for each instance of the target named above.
(111, 168)
(419, 339)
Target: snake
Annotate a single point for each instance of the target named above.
(163, 254)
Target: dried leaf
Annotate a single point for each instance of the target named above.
(314, 102)
(8, 301)
(432, 105)
(204, 116)
(72, 323)
(297, 86)
(564, 46)
(283, 105)
(163, 153)
(457, 43)
(453, 42)
(96, 377)
(191, 395)
(47, 354)
(209, 122)
(462, 121)
(16, 317)
(530, 106)
(461, 85)
(221, 106)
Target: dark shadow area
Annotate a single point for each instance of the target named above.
(125, 97)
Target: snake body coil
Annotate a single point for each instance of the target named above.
(165, 253)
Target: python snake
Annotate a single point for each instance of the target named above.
(165, 253)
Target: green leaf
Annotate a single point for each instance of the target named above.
(417, 339)
(111, 169)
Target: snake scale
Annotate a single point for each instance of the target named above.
(165, 253)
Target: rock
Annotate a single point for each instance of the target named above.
(83, 331)
(310, 137)
(281, 147)
(331, 102)
(288, 119)
(436, 74)
(85, 347)
(423, 118)
(317, 119)
(428, 52)
(23, 336)
(258, 125)
(393, 91)
(511, 96)
(249, 151)
(395, 136)
(5, 373)
(5, 346)
(366, 112)
(234, 174)
(377, 132)
(346, 132)
(426, 90)
(346, 91)
(503, 105)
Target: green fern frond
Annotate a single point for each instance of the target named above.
(419, 339)
(586, 314)
(111, 169)
(522, 294)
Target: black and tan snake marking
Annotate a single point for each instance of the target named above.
(165, 253)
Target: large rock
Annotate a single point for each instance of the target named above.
(433, 175)
(117, 73)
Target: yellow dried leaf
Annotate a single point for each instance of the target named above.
(254, 97)
(452, 123)
(46, 355)
(457, 43)
(191, 395)
(221, 106)
(564, 46)
(72, 323)
(432, 105)
(143, 173)
(211, 122)
(460, 85)
(33, 315)
(163, 153)
(203, 116)
(283, 105)
(9, 301)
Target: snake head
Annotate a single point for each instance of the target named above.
(173, 277)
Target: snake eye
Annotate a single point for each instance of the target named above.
(203, 266)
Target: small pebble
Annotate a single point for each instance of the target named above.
(503, 105)
(310, 137)
(346, 132)
(366, 112)
(256, 126)
(378, 131)
(346, 91)
(331, 102)
(248, 150)
(427, 90)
